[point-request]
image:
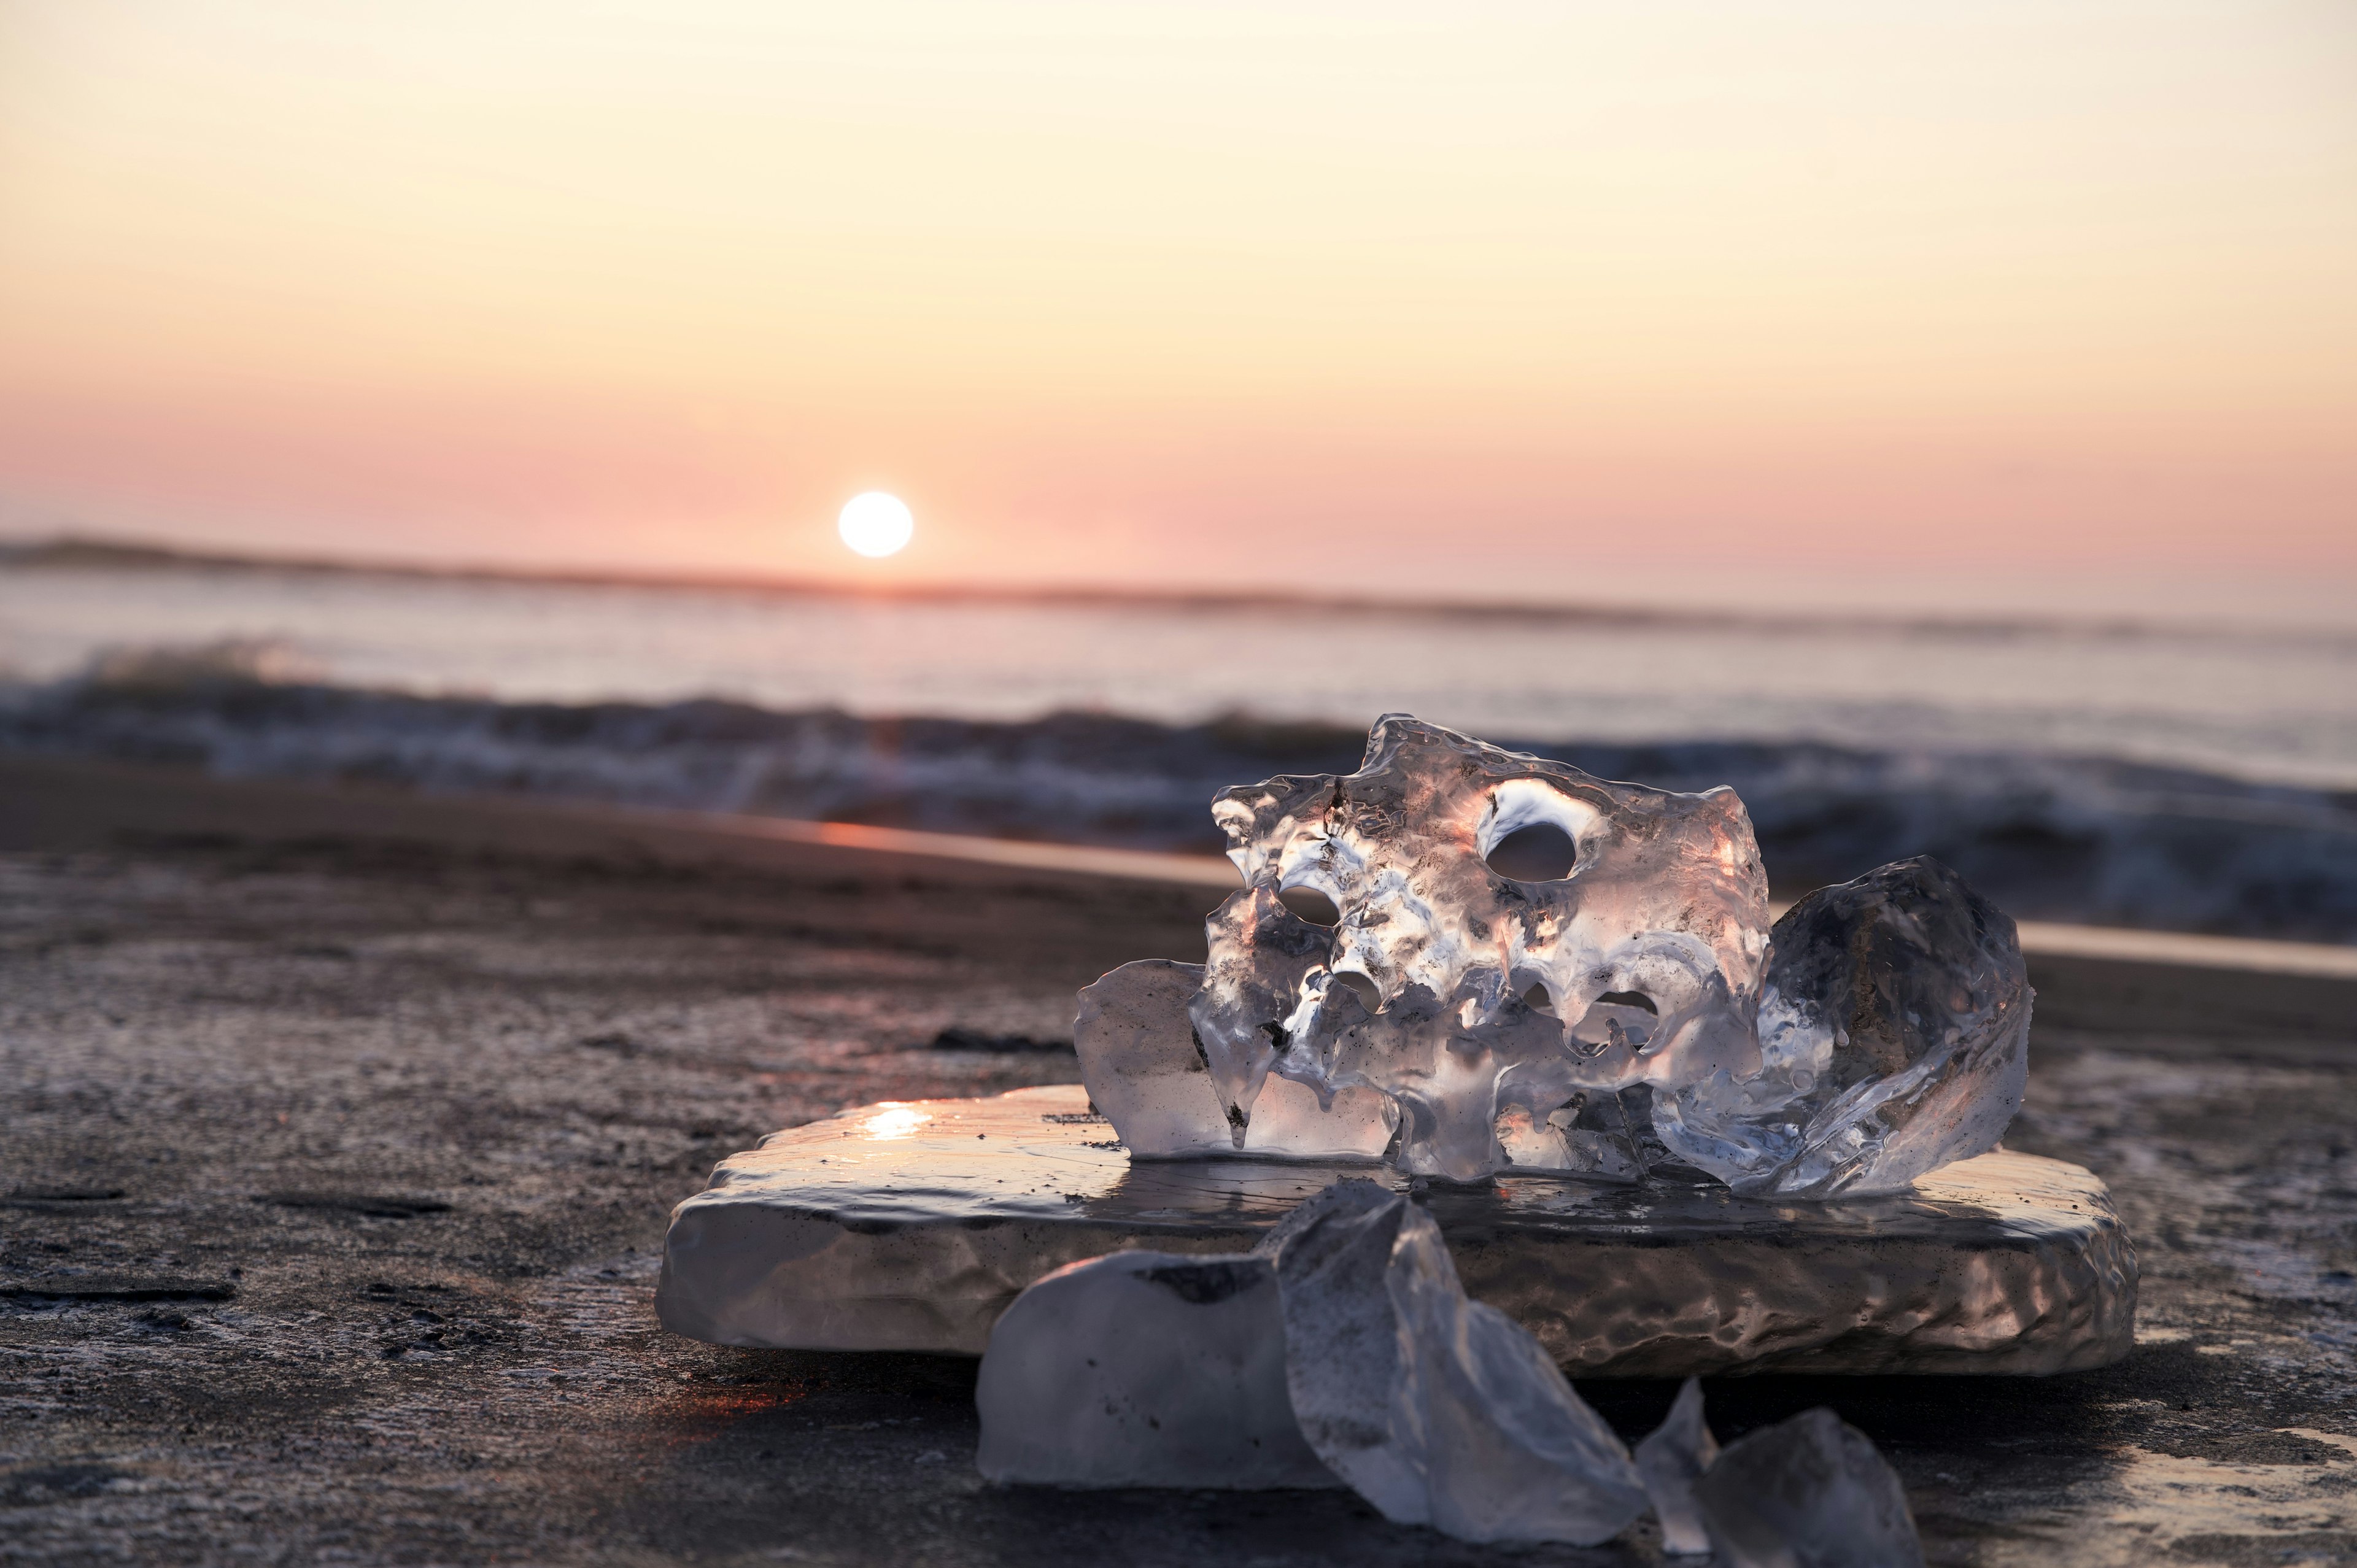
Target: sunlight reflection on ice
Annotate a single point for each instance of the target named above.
(895, 1121)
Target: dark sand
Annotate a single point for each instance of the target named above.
(337, 1133)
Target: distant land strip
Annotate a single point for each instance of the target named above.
(79, 551)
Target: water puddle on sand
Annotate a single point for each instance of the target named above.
(2162, 1498)
(2154, 1506)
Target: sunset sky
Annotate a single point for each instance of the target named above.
(1526, 299)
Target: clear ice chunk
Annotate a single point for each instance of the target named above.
(1144, 1073)
(1894, 1039)
(1641, 964)
(1473, 1007)
(1435, 1408)
(1810, 1492)
(1672, 1460)
(1144, 1369)
(1342, 1349)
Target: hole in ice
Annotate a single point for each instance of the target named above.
(1360, 986)
(1637, 999)
(1530, 830)
(1543, 852)
(1310, 905)
(1537, 999)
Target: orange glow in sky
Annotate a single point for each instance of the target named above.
(1538, 296)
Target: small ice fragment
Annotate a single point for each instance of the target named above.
(1810, 1492)
(1672, 1460)
(1147, 1076)
(1144, 1074)
(1436, 1409)
(1144, 1369)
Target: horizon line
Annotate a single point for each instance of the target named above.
(70, 549)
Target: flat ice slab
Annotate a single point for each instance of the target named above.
(911, 1226)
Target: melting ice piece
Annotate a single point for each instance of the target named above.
(1671, 1461)
(1894, 1036)
(1143, 1072)
(1436, 1409)
(1472, 1010)
(1638, 962)
(1810, 1492)
(1146, 1077)
(1144, 1369)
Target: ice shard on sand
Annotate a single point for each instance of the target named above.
(1672, 1460)
(1144, 1369)
(1811, 1492)
(1341, 1348)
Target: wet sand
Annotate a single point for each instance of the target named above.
(337, 1131)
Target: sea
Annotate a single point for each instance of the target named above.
(2172, 773)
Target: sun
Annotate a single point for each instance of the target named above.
(876, 524)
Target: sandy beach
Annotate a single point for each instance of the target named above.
(341, 1127)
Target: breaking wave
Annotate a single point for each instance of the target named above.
(2053, 837)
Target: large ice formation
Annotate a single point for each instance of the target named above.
(1342, 1346)
(1406, 974)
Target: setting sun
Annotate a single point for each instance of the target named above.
(876, 524)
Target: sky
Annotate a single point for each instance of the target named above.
(1535, 301)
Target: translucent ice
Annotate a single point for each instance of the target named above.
(1144, 1369)
(1435, 1408)
(1810, 1492)
(1143, 1071)
(1410, 970)
(1459, 990)
(1342, 1346)
(1146, 1074)
(1672, 1460)
(1894, 1036)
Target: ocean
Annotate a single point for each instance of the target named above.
(2163, 774)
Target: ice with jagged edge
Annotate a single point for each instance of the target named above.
(1464, 960)
(1341, 1348)
(1811, 1490)
(1894, 1035)
(1672, 1460)
(1436, 1409)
